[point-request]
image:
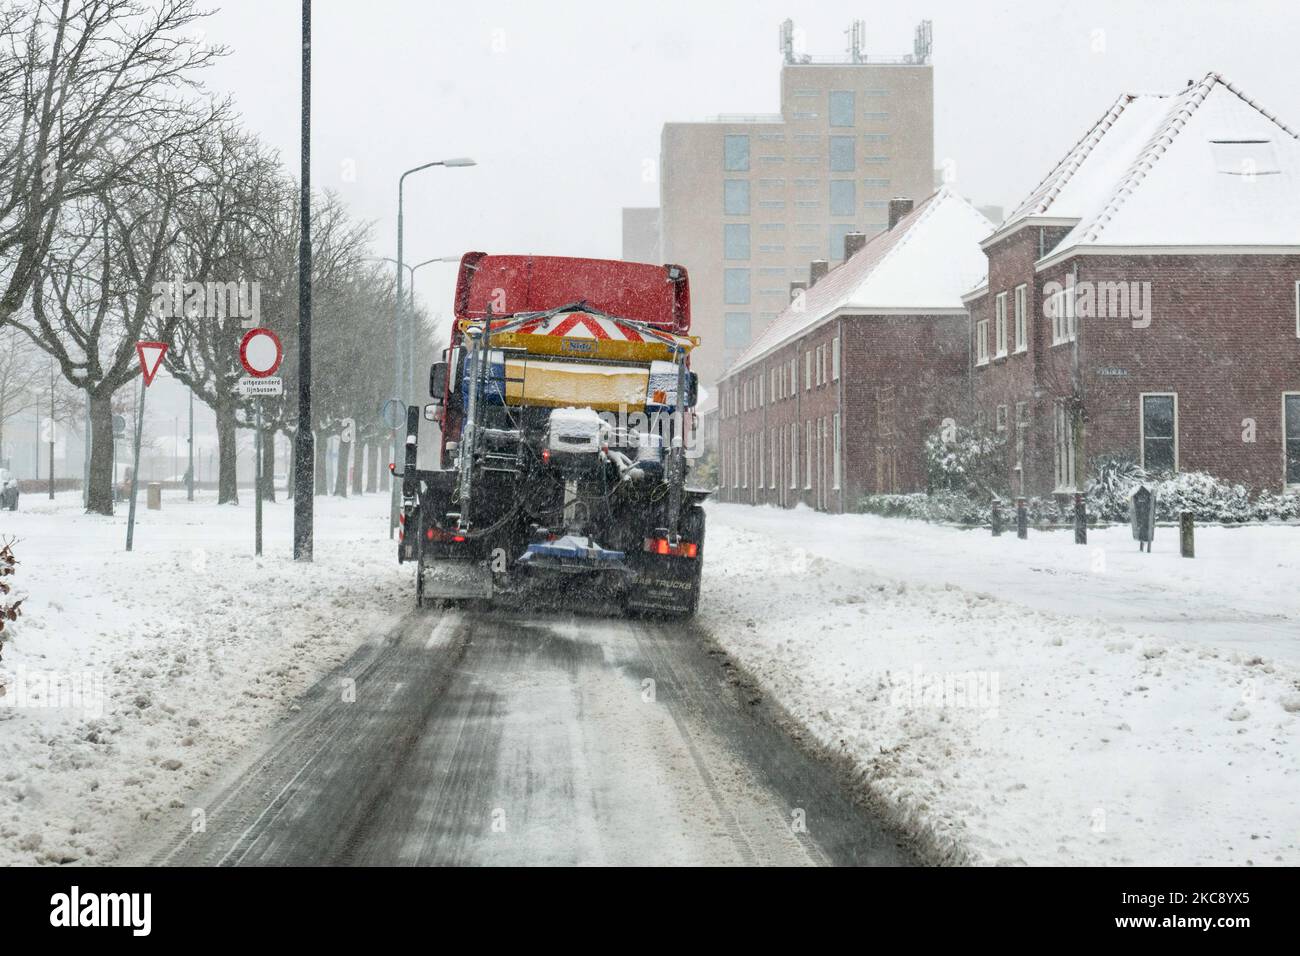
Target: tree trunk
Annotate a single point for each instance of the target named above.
(341, 468)
(227, 436)
(267, 491)
(372, 467)
(358, 467)
(99, 500)
(322, 479)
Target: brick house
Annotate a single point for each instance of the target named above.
(1143, 302)
(834, 399)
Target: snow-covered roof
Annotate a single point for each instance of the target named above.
(1206, 166)
(922, 266)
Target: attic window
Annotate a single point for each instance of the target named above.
(1244, 157)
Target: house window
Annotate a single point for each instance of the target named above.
(1000, 325)
(735, 286)
(744, 464)
(735, 465)
(736, 329)
(842, 154)
(835, 359)
(1160, 432)
(776, 460)
(826, 358)
(817, 361)
(841, 107)
(735, 240)
(735, 197)
(794, 454)
(1022, 333)
(762, 459)
(1297, 309)
(1001, 418)
(835, 474)
(982, 342)
(843, 197)
(807, 371)
(1291, 436)
(735, 154)
(810, 437)
(1064, 448)
(1060, 307)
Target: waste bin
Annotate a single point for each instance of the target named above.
(154, 496)
(1142, 515)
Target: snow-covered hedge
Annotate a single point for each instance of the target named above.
(965, 460)
(1206, 497)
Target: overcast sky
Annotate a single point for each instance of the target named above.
(562, 103)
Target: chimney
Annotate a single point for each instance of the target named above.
(817, 270)
(898, 208)
(796, 288)
(853, 242)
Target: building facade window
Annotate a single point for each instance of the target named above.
(836, 467)
(1291, 437)
(1060, 307)
(1000, 325)
(1160, 432)
(982, 342)
(794, 454)
(809, 438)
(844, 197)
(841, 108)
(736, 330)
(735, 197)
(735, 153)
(1063, 459)
(842, 154)
(1000, 419)
(1022, 335)
(735, 241)
(735, 286)
(835, 359)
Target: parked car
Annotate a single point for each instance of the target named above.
(8, 490)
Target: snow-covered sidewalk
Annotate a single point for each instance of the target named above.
(133, 677)
(1033, 701)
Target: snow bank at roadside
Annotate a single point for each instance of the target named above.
(1020, 701)
(134, 677)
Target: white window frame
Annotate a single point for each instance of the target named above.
(744, 461)
(794, 455)
(1064, 321)
(982, 342)
(1063, 449)
(762, 460)
(1000, 418)
(1022, 332)
(735, 463)
(1285, 395)
(1297, 308)
(809, 437)
(835, 345)
(807, 371)
(1142, 425)
(1000, 326)
(836, 466)
(775, 452)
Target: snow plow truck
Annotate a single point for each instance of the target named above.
(565, 410)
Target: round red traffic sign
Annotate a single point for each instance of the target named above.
(260, 353)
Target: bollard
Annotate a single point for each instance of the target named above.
(153, 496)
(1187, 535)
(995, 519)
(1080, 520)
(1022, 519)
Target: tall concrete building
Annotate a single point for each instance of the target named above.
(641, 234)
(748, 201)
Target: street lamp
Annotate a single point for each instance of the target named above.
(397, 314)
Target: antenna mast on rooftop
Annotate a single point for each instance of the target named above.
(787, 40)
(857, 33)
(923, 42)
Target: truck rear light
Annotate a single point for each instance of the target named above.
(546, 456)
(683, 549)
(428, 535)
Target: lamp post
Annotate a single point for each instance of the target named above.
(398, 371)
(304, 459)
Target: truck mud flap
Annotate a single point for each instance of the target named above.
(665, 591)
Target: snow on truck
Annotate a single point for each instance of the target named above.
(565, 403)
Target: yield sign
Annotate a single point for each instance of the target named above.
(151, 356)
